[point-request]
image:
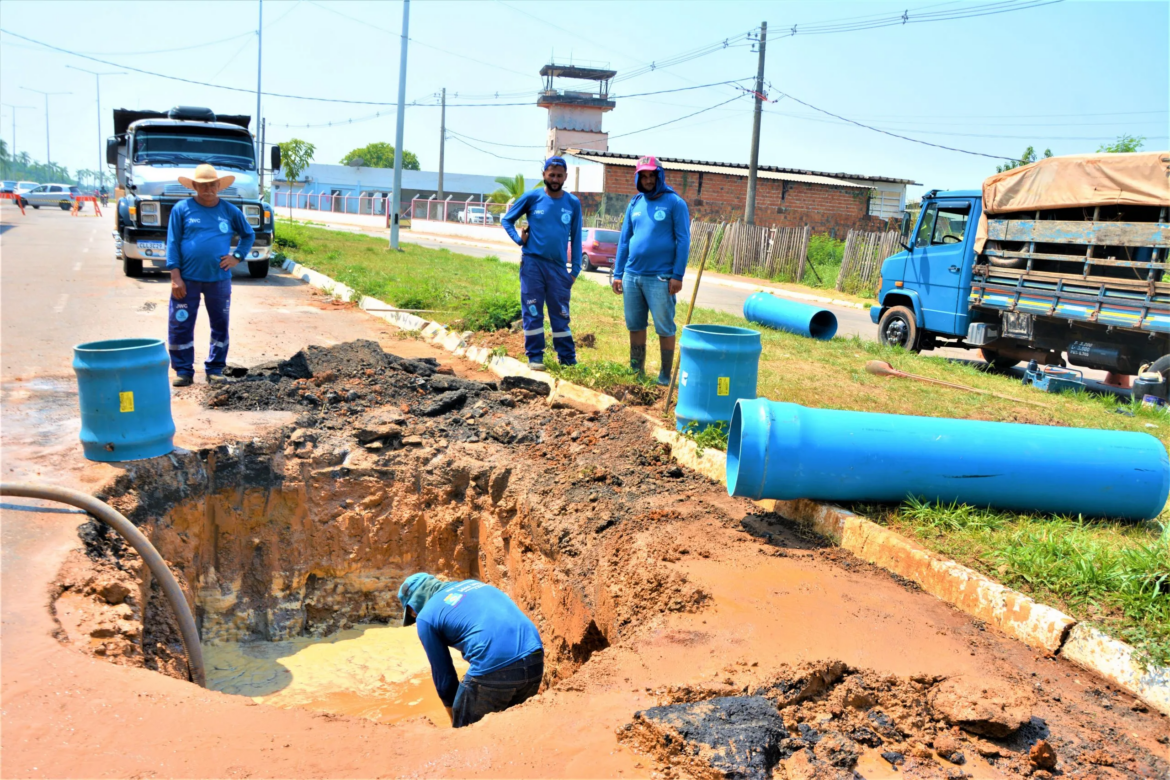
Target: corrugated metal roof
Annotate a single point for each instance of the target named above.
(739, 169)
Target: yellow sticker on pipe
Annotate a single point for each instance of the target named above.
(724, 386)
(126, 401)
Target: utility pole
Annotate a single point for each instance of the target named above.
(259, 61)
(48, 149)
(260, 166)
(13, 155)
(97, 77)
(442, 140)
(749, 214)
(397, 200)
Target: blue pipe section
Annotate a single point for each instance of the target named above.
(785, 451)
(718, 365)
(125, 399)
(781, 314)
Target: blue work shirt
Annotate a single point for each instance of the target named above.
(656, 234)
(482, 623)
(553, 223)
(198, 236)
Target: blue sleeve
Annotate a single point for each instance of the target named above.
(519, 209)
(174, 236)
(575, 227)
(442, 670)
(682, 237)
(623, 250)
(244, 231)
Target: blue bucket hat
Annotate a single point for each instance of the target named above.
(555, 160)
(414, 593)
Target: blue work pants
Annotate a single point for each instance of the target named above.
(541, 282)
(497, 691)
(181, 328)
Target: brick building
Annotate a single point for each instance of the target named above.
(831, 203)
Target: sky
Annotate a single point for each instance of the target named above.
(1063, 75)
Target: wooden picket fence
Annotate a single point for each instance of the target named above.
(862, 263)
(770, 253)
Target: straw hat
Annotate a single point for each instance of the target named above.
(205, 173)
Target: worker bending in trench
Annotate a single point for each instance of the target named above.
(651, 259)
(495, 637)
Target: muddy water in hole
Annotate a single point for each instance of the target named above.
(372, 671)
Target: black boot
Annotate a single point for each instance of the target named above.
(667, 366)
(638, 358)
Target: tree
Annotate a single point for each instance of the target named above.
(1124, 143)
(1028, 157)
(381, 155)
(295, 156)
(510, 189)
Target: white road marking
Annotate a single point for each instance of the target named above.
(62, 299)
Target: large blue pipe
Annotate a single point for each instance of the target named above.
(785, 451)
(781, 314)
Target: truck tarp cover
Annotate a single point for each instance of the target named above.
(1137, 179)
(124, 117)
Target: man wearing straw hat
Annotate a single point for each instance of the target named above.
(199, 257)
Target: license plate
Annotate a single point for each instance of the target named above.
(159, 247)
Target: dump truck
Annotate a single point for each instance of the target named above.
(150, 150)
(1063, 261)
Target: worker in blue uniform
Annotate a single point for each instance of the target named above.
(199, 257)
(554, 227)
(495, 637)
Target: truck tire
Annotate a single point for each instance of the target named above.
(1007, 262)
(257, 269)
(1162, 366)
(132, 268)
(998, 361)
(898, 328)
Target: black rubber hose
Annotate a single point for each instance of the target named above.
(158, 567)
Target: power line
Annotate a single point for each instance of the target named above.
(855, 24)
(493, 154)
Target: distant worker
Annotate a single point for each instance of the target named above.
(651, 260)
(554, 222)
(495, 637)
(199, 240)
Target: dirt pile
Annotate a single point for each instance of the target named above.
(818, 719)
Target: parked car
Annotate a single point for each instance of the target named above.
(61, 195)
(598, 248)
(476, 215)
(20, 187)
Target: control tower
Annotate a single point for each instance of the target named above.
(574, 117)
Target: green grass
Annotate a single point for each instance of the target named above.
(1115, 575)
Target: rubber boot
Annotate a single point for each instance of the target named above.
(638, 358)
(667, 366)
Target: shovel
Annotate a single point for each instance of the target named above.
(882, 368)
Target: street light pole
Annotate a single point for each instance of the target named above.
(749, 215)
(48, 149)
(14, 126)
(442, 140)
(259, 62)
(97, 77)
(397, 201)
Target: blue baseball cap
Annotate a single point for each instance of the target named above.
(555, 160)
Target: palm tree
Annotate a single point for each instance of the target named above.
(510, 189)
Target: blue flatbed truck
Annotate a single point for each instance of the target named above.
(1087, 286)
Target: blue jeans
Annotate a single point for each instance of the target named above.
(497, 691)
(181, 327)
(643, 295)
(541, 282)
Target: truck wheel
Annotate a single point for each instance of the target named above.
(1007, 262)
(1162, 366)
(898, 328)
(998, 361)
(131, 268)
(257, 269)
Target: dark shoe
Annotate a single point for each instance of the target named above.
(183, 380)
(535, 365)
(663, 380)
(216, 379)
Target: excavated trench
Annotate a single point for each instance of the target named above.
(391, 468)
(291, 548)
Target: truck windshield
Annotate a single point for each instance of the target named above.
(190, 147)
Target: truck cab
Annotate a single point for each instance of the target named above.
(151, 150)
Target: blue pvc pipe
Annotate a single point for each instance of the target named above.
(785, 451)
(125, 399)
(718, 365)
(782, 314)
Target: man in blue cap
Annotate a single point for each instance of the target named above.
(554, 222)
(495, 637)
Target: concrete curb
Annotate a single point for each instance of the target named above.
(1015, 614)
